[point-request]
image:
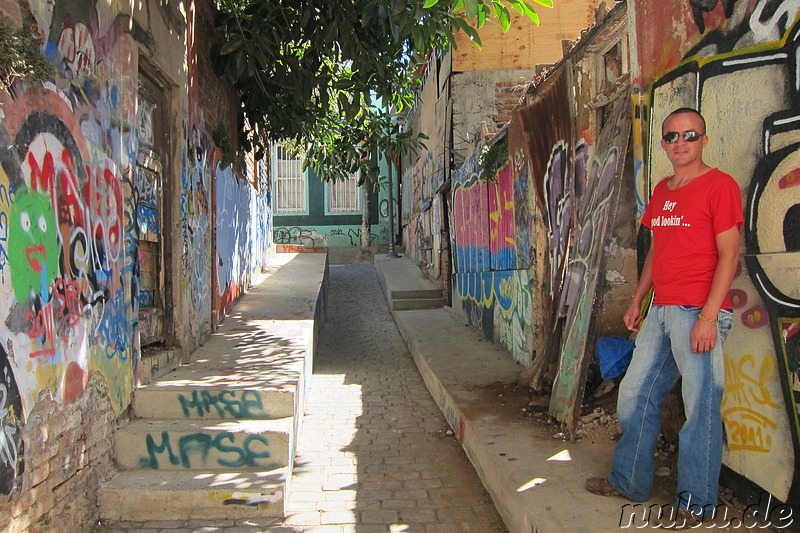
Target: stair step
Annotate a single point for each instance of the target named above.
(207, 445)
(185, 402)
(418, 303)
(415, 294)
(149, 495)
(155, 364)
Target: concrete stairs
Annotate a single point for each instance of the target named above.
(406, 288)
(216, 438)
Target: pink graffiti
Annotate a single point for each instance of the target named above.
(501, 211)
(104, 197)
(42, 329)
(470, 229)
(56, 319)
(790, 330)
(47, 178)
(68, 296)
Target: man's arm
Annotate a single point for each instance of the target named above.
(704, 333)
(634, 313)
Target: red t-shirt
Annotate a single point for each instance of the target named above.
(685, 223)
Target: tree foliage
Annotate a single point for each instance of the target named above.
(325, 73)
(20, 51)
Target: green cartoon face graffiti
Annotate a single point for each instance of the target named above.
(32, 244)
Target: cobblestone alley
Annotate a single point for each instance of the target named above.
(375, 453)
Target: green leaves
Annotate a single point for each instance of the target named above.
(313, 71)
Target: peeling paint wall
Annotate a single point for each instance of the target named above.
(737, 63)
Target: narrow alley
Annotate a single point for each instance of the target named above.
(375, 453)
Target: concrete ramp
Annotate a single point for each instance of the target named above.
(216, 438)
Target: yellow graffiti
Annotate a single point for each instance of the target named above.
(754, 318)
(745, 397)
(506, 288)
(48, 376)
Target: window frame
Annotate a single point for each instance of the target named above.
(359, 192)
(274, 178)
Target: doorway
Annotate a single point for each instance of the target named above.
(149, 194)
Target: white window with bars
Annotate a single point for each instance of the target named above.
(344, 196)
(289, 180)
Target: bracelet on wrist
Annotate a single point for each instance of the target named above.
(702, 317)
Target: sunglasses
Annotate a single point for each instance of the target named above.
(690, 136)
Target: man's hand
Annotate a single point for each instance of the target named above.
(633, 316)
(704, 336)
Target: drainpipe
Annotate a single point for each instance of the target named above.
(391, 253)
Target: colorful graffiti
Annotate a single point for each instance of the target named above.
(68, 228)
(70, 298)
(197, 171)
(745, 44)
(494, 295)
(594, 209)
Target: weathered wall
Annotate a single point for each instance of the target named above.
(68, 280)
(518, 275)
(737, 62)
(72, 207)
(426, 173)
(486, 96)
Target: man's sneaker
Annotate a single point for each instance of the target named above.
(601, 486)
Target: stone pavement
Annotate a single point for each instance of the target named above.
(375, 453)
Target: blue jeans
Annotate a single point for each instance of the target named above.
(663, 354)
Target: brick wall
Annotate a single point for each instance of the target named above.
(67, 453)
(217, 97)
(507, 95)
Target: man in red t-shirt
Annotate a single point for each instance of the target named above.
(695, 217)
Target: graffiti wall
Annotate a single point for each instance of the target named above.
(68, 224)
(595, 208)
(720, 52)
(243, 236)
(490, 289)
(328, 236)
(75, 208)
(197, 170)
